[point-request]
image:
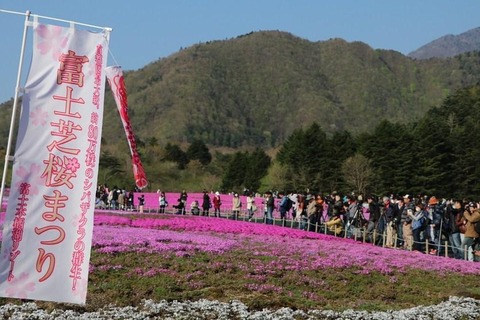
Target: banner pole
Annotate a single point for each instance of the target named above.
(56, 19)
(9, 158)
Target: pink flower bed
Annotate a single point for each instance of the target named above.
(293, 249)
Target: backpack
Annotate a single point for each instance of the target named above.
(288, 204)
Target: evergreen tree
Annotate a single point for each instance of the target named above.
(199, 151)
(235, 173)
(109, 166)
(433, 158)
(340, 147)
(257, 168)
(392, 152)
(175, 154)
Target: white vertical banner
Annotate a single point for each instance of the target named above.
(48, 227)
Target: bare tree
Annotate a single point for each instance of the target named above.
(357, 172)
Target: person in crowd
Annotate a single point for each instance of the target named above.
(453, 212)
(206, 204)
(419, 220)
(389, 212)
(407, 213)
(130, 198)
(374, 217)
(141, 203)
(195, 208)
(217, 202)
(335, 224)
(162, 202)
(251, 207)
(399, 207)
(269, 206)
(180, 206)
(350, 214)
(317, 218)
(434, 227)
(294, 199)
(301, 211)
(469, 243)
(337, 207)
(184, 196)
(284, 206)
(114, 198)
(121, 200)
(236, 205)
(310, 211)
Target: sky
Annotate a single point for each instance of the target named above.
(146, 30)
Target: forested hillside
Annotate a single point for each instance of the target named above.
(256, 90)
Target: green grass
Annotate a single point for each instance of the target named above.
(227, 276)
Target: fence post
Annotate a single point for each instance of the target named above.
(364, 235)
(446, 249)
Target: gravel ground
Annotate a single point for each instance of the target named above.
(454, 308)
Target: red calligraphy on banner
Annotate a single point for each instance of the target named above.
(78, 255)
(60, 170)
(65, 131)
(69, 100)
(18, 226)
(98, 76)
(70, 70)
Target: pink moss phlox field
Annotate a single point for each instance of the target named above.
(113, 239)
(208, 224)
(293, 249)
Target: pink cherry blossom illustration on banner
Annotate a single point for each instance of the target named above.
(51, 40)
(19, 286)
(39, 117)
(32, 175)
(72, 164)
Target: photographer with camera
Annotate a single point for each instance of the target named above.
(470, 241)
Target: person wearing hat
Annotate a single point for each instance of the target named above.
(217, 202)
(435, 217)
(407, 213)
(308, 212)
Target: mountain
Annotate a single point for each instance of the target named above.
(449, 45)
(256, 89)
